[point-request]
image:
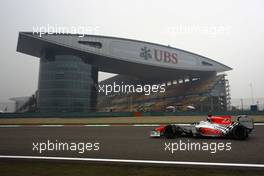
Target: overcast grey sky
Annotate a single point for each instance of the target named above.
(229, 31)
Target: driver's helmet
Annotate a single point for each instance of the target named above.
(209, 117)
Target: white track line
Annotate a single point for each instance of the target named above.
(259, 124)
(99, 125)
(135, 161)
(103, 125)
(145, 125)
(9, 126)
(51, 125)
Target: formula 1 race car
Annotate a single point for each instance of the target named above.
(214, 126)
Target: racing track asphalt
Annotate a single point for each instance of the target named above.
(127, 142)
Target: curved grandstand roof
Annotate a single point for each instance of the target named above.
(122, 56)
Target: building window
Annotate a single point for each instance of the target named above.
(92, 44)
(206, 63)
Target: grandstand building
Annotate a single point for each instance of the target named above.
(69, 66)
(203, 94)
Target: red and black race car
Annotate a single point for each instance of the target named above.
(214, 126)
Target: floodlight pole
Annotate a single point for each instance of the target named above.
(252, 97)
(242, 104)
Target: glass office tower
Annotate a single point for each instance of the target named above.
(66, 84)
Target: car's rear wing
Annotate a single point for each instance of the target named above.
(246, 121)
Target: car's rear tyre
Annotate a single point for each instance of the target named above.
(169, 132)
(240, 132)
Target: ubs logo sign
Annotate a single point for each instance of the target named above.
(158, 55)
(145, 53)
